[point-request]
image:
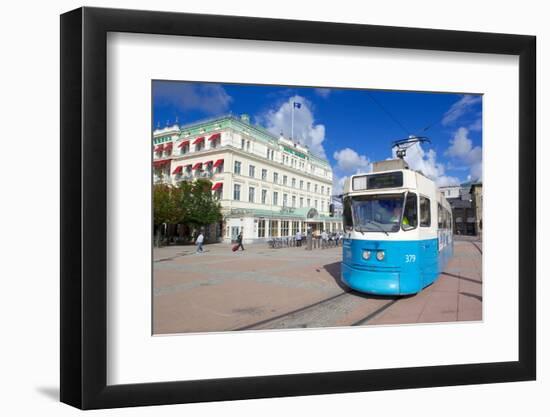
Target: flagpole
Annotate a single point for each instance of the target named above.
(292, 128)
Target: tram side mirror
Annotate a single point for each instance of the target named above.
(331, 209)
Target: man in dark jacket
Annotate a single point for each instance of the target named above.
(240, 241)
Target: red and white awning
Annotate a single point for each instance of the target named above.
(215, 136)
(177, 170)
(158, 164)
(217, 186)
(185, 142)
(218, 163)
(198, 140)
(208, 162)
(198, 165)
(168, 146)
(159, 148)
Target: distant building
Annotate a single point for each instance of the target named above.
(476, 191)
(466, 213)
(268, 186)
(451, 191)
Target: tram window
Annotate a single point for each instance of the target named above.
(410, 213)
(348, 221)
(425, 213)
(440, 216)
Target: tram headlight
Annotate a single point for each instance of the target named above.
(366, 255)
(380, 255)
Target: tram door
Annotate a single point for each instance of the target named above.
(429, 249)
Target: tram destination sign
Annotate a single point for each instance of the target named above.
(377, 181)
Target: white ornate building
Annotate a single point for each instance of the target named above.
(268, 186)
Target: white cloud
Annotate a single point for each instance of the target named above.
(476, 126)
(427, 163)
(461, 149)
(347, 160)
(323, 92)
(458, 109)
(338, 184)
(305, 130)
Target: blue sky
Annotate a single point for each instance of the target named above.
(351, 128)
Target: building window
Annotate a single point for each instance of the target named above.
(316, 188)
(295, 227)
(328, 190)
(274, 232)
(285, 200)
(425, 212)
(264, 196)
(284, 228)
(236, 192)
(293, 182)
(237, 168)
(219, 168)
(184, 149)
(261, 228)
(275, 178)
(284, 179)
(251, 170)
(322, 205)
(264, 174)
(308, 186)
(214, 143)
(268, 152)
(251, 192)
(199, 146)
(248, 146)
(301, 202)
(316, 204)
(322, 189)
(293, 201)
(308, 202)
(275, 198)
(242, 143)
(301, 184)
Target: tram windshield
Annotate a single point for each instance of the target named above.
(377, 213)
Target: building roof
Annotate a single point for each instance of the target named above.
(205, 126)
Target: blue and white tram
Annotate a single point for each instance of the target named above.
(398, 231)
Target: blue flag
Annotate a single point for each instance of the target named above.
(297, 105)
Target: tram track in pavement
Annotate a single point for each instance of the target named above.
(333, 311)
(477, 247)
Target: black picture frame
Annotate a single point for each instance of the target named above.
(84, 207)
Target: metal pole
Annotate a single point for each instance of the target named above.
(292, 123)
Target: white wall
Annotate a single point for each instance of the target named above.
(30, 256)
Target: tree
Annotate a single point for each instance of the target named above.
(190, 204)
(165, 207)
(197, 205)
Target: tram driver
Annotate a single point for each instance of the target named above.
(397, 214)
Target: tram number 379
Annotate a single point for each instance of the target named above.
(410, 258)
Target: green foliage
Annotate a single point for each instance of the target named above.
(190, 203)
(165, 208)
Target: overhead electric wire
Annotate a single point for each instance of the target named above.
(439, 120)
(390, 115)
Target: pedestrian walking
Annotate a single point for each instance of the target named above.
(324, 239)
(198, 242)
(240, 241)
(299, 238)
